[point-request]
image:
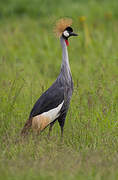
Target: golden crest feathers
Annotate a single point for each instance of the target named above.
(61, 25)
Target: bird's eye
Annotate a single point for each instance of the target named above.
(65, 33)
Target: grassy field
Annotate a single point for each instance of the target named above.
(30, 59)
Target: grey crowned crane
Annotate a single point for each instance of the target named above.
(53, 104)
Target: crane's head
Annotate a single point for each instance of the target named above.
(63, 28)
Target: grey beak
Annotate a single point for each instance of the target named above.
(73, 34)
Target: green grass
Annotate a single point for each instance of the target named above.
(30, 59)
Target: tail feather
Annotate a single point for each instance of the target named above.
(26, 127)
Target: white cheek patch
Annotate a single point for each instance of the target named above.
(65, 33)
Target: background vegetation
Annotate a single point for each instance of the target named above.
(30, 58)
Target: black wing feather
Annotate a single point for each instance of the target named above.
(48, 100)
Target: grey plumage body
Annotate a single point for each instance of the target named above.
(61, 90)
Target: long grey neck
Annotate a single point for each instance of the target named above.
(65, 67)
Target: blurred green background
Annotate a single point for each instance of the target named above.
(30, 60)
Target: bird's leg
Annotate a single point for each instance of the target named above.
(50, 128)
(61, 123)
(62, 130)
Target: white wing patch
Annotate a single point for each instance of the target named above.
(41, 121)
(53, 113)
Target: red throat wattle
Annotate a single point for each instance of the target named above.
(67, 43)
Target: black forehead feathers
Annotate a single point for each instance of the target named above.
(69, 29)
